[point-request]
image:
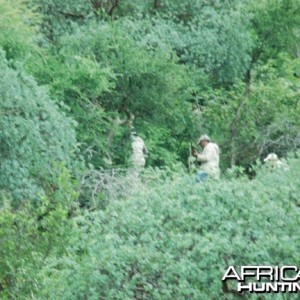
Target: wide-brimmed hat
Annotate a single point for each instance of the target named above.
(271, 157)
(203, 137)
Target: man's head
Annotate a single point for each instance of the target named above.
(132, 131)
(273, 161)
(203, 140)
(272, 157)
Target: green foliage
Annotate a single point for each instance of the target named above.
(229, 68)
(248, 127)
(31, 235)
(153, 58)
(60, 16)
(34, 135)
(78, 81)
(102, 74)
(275, 27)
(17, 28)
(176, 239)
(217, 42)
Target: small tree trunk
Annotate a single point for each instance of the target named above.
(156, 4)
(248, 82)
(234, 131)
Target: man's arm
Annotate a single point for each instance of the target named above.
(202, 157)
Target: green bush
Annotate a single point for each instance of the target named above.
(176, 239)
(18, 28)
(103, 74)
(32, 234)
(248, 127)
(34, 137)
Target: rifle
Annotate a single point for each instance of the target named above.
(191, 148)
(190, 154)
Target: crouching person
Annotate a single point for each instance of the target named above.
(273, 162)
(209, 159)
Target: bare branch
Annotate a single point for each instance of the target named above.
(113, 6)
(156, 4)
(72, 15)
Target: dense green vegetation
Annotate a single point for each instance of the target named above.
(75, 76)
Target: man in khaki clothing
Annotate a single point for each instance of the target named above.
(273, 162)
(209, 159)
(139, 151)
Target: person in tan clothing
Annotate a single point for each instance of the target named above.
(209, 159)
(274, 163)
(138, 156)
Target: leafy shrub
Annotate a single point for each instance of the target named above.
(103, 74)
(176, 239)
(248, 127)
(31, 234)
(18, 29)
(34, 135)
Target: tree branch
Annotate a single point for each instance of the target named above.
(156, 4)
(96, 4)
(113, 7)
(72, 15)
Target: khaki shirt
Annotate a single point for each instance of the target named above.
(209, 159)
(139, 150)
